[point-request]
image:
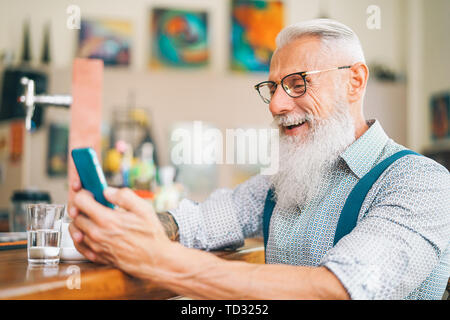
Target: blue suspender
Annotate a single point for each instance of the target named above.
(350, 211)
(352, 206)
(267, 214)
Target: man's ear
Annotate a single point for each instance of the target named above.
(359, 74)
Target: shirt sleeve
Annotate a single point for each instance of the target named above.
(399, 240)
(225, 219)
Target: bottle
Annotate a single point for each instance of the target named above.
(169, 195)
(45, 54)
(127, 162)
(26, 44)
(142, 175)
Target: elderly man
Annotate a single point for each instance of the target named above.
(327, 235)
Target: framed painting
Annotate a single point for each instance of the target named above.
(179, 38)
(254, 27)
(108, 40)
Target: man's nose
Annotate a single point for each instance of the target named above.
(281, 103)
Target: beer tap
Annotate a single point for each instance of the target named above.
(30, 99)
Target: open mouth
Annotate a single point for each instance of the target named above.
(295, 125)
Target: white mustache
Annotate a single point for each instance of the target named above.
(292, 119)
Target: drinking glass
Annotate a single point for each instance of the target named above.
(44, 232)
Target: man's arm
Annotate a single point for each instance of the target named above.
(225, 218)
(201, 275)
(170, 225)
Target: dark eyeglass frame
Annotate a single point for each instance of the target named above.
(303, 74)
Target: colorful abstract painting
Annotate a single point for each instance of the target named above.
(179, 38)
(108, 40)
(255, 25)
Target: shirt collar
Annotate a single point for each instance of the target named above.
(362, 154)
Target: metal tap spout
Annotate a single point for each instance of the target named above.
(30, 99)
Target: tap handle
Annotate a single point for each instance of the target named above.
(28, 100)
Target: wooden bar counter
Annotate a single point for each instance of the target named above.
(19, 280)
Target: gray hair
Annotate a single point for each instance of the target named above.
(333, 35)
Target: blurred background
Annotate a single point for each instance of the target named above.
(170, 63)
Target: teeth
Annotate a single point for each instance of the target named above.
(291, 119)
(293, 123)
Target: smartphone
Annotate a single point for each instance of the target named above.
(91, 173)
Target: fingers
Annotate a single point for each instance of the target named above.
(85, 202)
(76, 185)
(128, 200)
(77, 238)
(100, 250)
(72, 210)
(75, 233)
(89, 254)
(90, 234)
(86, 227)
(79, 241)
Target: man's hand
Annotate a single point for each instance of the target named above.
(167, 220)
(130, 237)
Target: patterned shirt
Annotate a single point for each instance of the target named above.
(399, 248)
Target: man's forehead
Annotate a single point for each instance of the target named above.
(302, 54)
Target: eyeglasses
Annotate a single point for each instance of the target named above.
(293, 84)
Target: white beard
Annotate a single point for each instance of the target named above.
(304, 161)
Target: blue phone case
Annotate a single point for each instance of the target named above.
(91, 173)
